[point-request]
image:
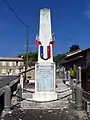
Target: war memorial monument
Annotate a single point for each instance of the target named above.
(45, 75)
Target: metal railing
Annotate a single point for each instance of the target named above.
(86, 95)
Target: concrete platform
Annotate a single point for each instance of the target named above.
(29, 104)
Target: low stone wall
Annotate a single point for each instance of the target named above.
(13, 86)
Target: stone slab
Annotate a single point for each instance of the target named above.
(44, 96)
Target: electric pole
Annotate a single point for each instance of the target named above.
(26, 26)
(27, 46)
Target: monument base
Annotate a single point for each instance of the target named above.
(44, 96)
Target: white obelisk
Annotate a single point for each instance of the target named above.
(45, 75)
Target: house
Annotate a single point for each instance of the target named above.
(78, 57)
(10, 66)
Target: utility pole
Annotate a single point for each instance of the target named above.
(27, 46)
(26, 26)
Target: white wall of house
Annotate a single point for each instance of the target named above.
(7, 65)
(19, 63)
(17, 71)
(22, 63)
(4, 71)
(10, 63)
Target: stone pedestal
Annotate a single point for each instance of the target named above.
(44, 96)
(45, 78)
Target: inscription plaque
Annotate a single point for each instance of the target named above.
(45, 77)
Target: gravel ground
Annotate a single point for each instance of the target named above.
(44, 114)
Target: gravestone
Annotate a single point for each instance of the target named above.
(45, 75)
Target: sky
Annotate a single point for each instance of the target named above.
(70, 24)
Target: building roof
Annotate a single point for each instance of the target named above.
(71, 56)
(74, 53)
(10, 59)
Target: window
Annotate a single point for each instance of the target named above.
(14, 63)
(3, 63)
(10, 71)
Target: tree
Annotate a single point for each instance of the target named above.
(58, 57)
(73, 71)
(32, 56)
(74, 48)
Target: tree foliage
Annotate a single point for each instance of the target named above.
(32, 56)
(58, 57)
(73, 71)
(74, 48)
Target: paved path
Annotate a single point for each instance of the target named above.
(4, 80)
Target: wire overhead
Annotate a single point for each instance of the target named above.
(24, 24)
(9, 6)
